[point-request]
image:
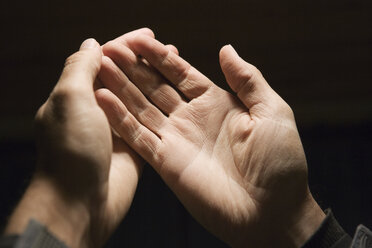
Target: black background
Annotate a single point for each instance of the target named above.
(316, 54)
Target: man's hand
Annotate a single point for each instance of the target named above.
(86, 176)
(236, 163)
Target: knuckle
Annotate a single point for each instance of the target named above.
(57, 106)
(183, 73)
(255, 70)
(58, 98)
(149, 31)
(246, 75)
(64, 94)
(245, 81)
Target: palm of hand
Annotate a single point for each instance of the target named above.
(227, 164)
(200, 162)
(221, 161)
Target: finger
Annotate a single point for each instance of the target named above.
(172, 48)
(185, 77)
(141, 139)
(81, 68)
(115, 80)
(243, 78)
(125, 171)
(147, 79)
(169, 46)
(123, 152)
(143, 31)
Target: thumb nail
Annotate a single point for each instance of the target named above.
(88, 44)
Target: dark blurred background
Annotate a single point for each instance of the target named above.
(316, 54)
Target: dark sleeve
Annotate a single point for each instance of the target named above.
(36, 236)
(362, 238)
(329, 235)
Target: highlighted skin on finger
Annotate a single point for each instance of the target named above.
(147, 79)
(251, 87)
(179, 72)
(144, 31)
(141, 139)
(143, 110)
(81, 68)
(243, 78)
(173, 49)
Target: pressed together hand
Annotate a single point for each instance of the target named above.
(235, 161)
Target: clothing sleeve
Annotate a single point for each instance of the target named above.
(35, 236)
(362, 238)
(329, 235)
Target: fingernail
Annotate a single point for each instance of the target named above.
(89, 43)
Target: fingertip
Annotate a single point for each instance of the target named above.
(83, 66)
(143, 35)
(111, 105)
(109, 46)
(172, 48)
(107, 101)
(123, 39)
(140, 37)
(147, 31)
(234, 67)
(231, 48)
(147, 47)
(90, 43)
(108, 66)
(106, 60)
(227, 51)
(227, 58)
(90, 47)
(100, 93)
(138, 42)
(225, 48)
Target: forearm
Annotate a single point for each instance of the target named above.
(67, 219)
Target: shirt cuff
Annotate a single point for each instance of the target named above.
(36, 236)
(329, 235)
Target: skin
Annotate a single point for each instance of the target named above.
(86, 175)
(235, 161)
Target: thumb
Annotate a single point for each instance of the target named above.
(82, 67)
(244, 79)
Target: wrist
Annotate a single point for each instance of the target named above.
(305, 222)
(67, 218)
(290, 226)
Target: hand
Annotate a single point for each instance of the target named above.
(236, 163)
(86, 176)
